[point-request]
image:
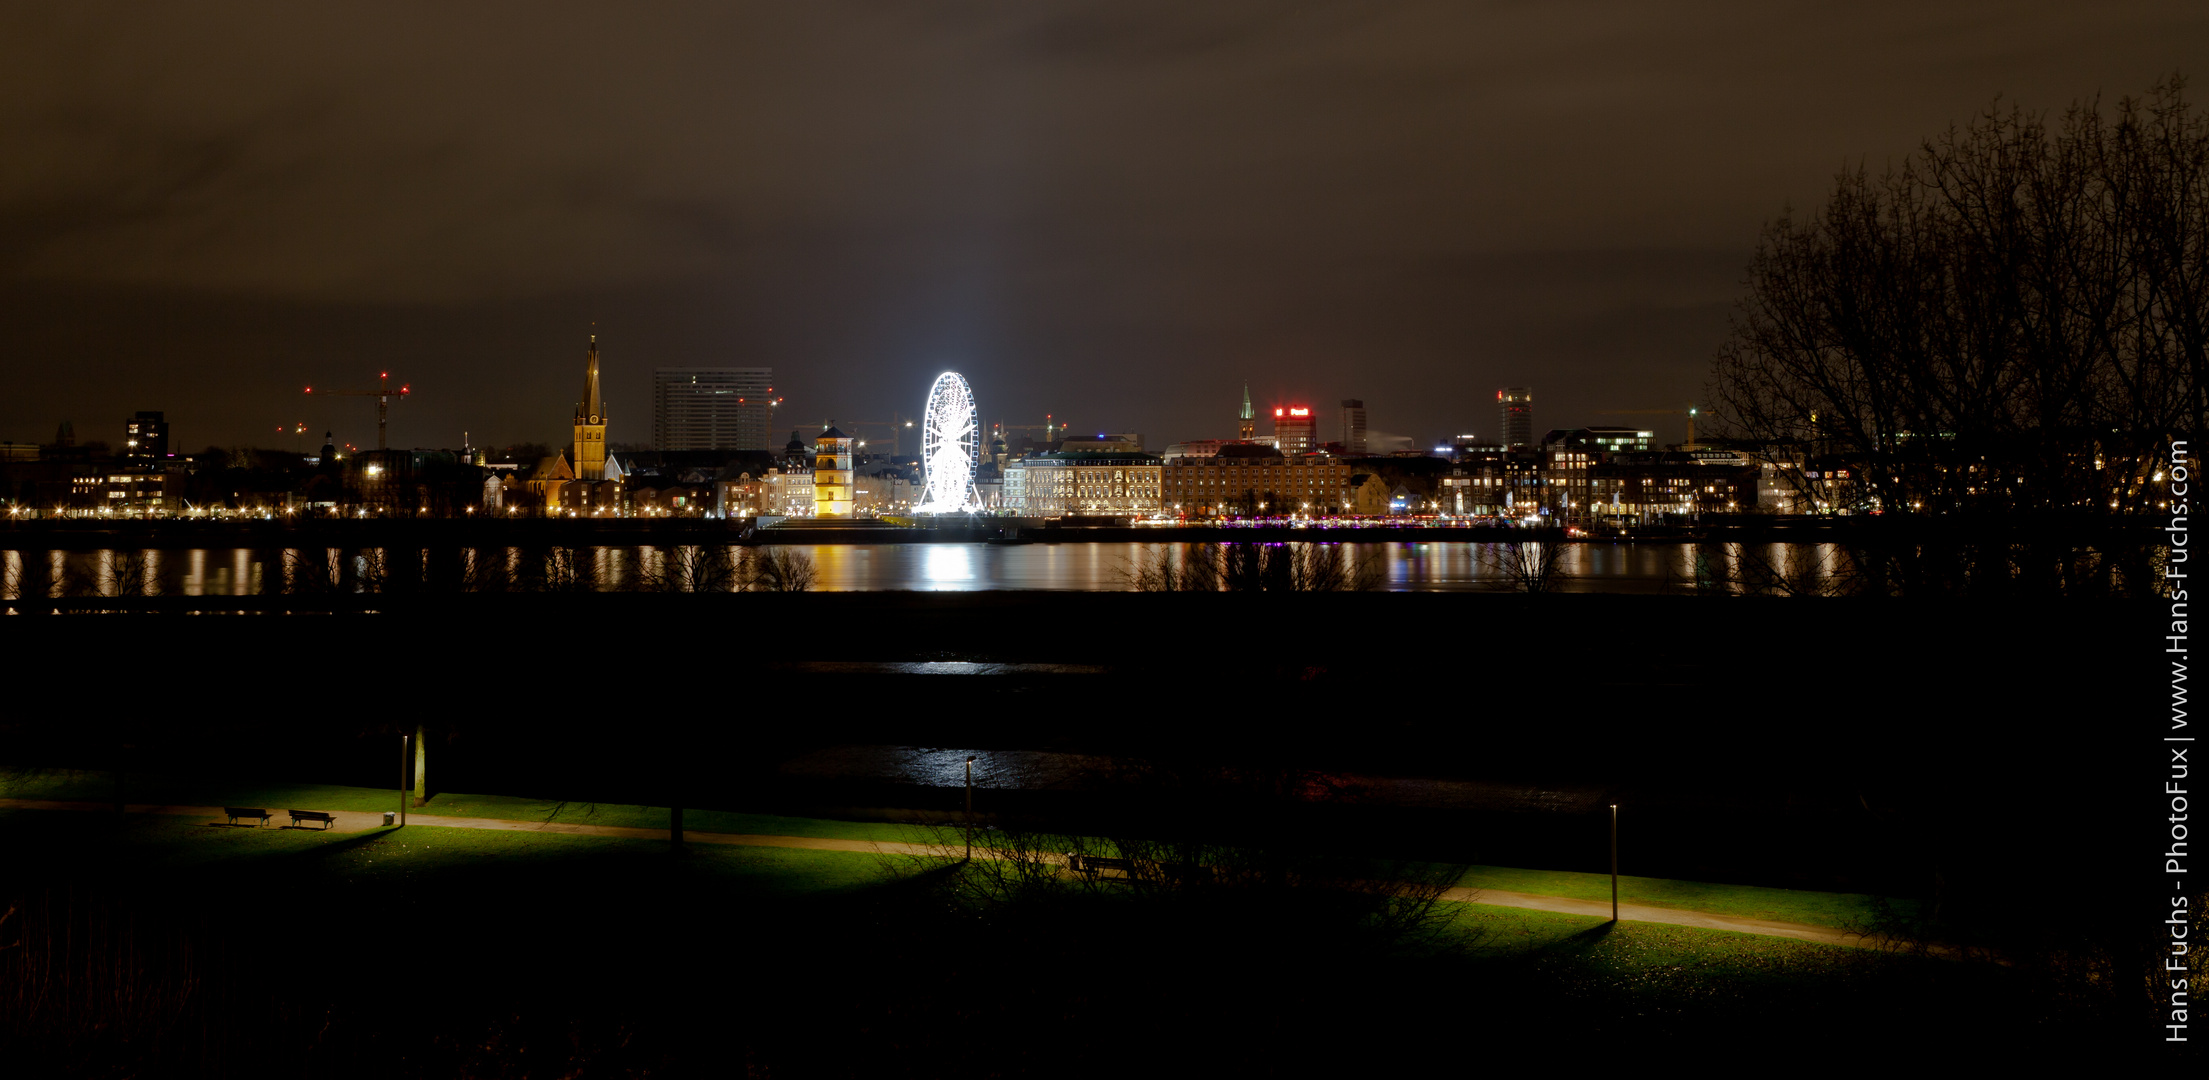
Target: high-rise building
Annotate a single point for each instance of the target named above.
(1353, 426)
(590, 424)
(1516, 406)
(146, 435)
(719, 408)
(1246, 421)
(1295, 430)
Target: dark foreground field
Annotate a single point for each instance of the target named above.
(1961, 757)
(156, 947)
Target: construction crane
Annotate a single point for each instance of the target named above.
(383, 396)
(1049, 427)
(1690, 412)
(896, 425)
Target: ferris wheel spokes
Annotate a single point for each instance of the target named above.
(950, 441)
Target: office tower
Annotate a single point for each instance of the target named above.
(589, 459)
(1516, 405)
(1353, 426)
(718, 408)
(146, 435)
(1295, 430)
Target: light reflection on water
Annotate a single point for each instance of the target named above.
(1044, 770)
(1441, 566)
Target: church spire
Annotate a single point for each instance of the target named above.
(1248, 413)
(591, 410)
(590, 424)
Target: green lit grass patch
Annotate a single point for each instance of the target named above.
(1840, 911)
(141, 844)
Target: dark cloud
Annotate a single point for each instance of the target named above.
(1115, 211)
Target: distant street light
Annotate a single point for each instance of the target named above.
(1614, 862)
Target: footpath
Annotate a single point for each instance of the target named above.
(362, 821)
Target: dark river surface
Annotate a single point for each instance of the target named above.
(1587, 567)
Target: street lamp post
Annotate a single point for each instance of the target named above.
(405, 744)
(1614, 862)
(970, 807)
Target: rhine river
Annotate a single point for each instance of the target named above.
(1455, 566)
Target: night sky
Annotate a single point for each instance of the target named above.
(1114, 212)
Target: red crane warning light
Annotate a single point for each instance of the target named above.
(383, 394)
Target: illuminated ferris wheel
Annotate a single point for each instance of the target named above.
(950, 444)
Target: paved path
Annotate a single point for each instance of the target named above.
(361, 821)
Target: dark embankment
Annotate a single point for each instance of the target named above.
(1944, 752)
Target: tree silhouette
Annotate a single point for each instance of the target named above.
(2009, 325)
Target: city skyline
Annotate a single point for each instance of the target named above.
(1116, 216)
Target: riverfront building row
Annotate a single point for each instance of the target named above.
(712, 462)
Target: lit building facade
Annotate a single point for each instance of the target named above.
(1082, 482)
(832, 480)
(1232, 484)
(141, 489)
(1493, 482)
(1515, 417)
(718, 408)
(1655, 488)
(1295, 430)
(146, 435)
(1608, 440)
(1194, 448)
(882, 491)
(1353, 426)
(788, 492)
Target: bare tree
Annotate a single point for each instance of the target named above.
(1254, 567)
(553, 569)
(311, 571)
(487, 570)
(694, 568)
(1749, 569)
(776, 569)
(1246, 841)
(2008, 326)
(1531, 561)
(126, 574)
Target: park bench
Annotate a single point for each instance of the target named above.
(326, 819)
(255, 812)
(1179, 873)
(1089, 865)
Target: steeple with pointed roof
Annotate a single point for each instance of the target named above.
(590, 423)
(1246, 421)
(591, 410)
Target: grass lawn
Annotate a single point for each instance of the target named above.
(1658, 968)
(161, 845)
(99, 787)
(1837, 910)
(505, 942)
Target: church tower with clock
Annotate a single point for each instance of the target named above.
(590, 424)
